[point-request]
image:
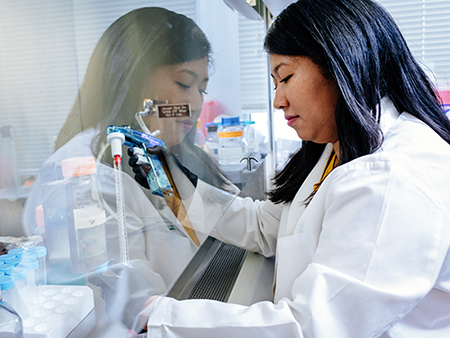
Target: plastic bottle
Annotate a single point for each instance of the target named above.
(250, 136)
(20, 279)
(232, 145)
(11, 325)
(41, 253)
(89, 215)
(199, 137)
(9, 293)
(212, 140)
(31, 264)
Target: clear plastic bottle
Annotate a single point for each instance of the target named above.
(89, 215)
(212, 140)
(232, 145)
(9, 293)
(199, 137)
(20, 279)
(31, 264)
(41, 254)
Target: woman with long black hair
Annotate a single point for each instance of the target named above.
(359, 220)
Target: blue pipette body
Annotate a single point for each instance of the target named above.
(157, 179)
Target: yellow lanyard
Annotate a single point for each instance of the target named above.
(329, 167)
(175, 204)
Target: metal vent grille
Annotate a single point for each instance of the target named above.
(220, 275)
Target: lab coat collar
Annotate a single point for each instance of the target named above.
(388, 114)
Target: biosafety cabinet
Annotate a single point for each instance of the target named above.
(85, 85)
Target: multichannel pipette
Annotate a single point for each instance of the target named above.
(157, 179)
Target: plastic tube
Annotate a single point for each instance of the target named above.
(8, 292)
(20, 279)
(40, 252)
(32, 265)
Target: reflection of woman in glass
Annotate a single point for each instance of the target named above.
(149, 53)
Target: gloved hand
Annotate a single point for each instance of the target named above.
(124, 293)
(140, 166)
(185, 181)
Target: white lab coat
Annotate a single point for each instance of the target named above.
(368, 257)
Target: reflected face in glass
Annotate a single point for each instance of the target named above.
(179, 83)
(307, 98)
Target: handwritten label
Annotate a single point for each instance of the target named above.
(174, 110)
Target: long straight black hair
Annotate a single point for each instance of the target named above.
(358, 44)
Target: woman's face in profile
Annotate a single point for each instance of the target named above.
(307, 98)
(179, 83)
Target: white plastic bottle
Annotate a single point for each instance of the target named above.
(232, 145)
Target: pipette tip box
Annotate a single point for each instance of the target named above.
(57, 311)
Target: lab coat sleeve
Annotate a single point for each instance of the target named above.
(252, 225)
(381, 248)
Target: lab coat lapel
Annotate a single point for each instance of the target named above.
(297, 207)
(293, 252)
